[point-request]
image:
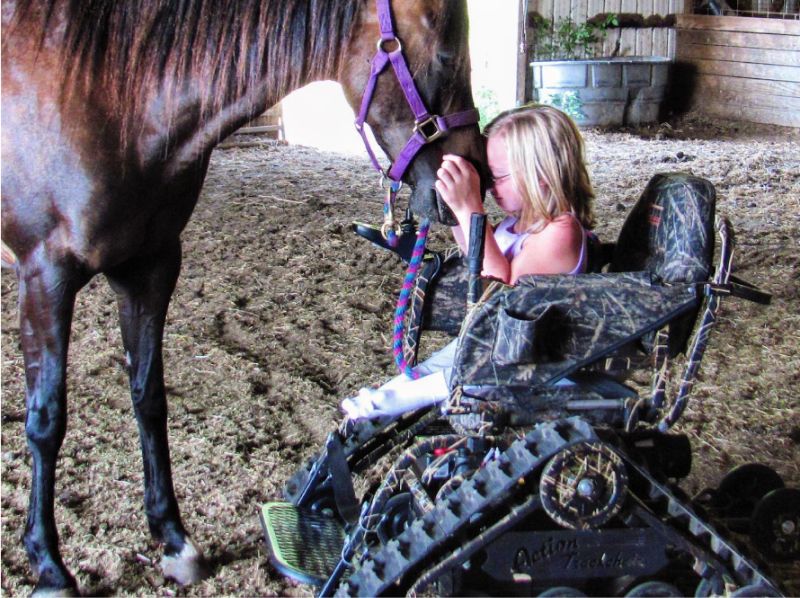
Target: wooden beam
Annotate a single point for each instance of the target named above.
(254, 130)
(763, 87)
(739, 39)
(628, 36)
(732, 94)
(691, 52)
(741, 68)
(749, 71)
(745, 24)
(755, 114)
(522, 52)
(661, 35)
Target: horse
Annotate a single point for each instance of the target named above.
(110, 111)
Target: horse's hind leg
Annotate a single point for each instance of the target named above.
(144, 288)
(47, 297)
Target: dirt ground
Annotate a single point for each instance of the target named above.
(281, 312)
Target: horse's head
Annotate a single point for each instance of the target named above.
(432, 36)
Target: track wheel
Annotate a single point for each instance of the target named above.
(562, 592)
(744, 486)
(754, 591)
(584, 485)
(712, 586)
(775, 525)
(397, 512)
(654, 588)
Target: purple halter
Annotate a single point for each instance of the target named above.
(427, 127)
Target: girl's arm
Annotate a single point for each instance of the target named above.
(556, 249)
(459, 185)
(458, 235)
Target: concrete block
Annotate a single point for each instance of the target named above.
(564, 75)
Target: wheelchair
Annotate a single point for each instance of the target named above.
(550, 471)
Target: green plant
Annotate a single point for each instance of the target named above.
(569, 102)
(566, 40)
(488, 107)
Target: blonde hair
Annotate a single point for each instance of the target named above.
(546, 163)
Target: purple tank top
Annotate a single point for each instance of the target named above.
(510, 243)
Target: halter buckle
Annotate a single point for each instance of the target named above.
(429, 129)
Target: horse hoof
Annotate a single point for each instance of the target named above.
(187, 567)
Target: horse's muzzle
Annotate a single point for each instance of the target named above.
(426, 202)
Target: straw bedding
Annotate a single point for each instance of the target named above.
(281, 312)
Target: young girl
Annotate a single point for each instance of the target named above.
(539, 179)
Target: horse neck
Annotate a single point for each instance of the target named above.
(189, 71)
(207, 127)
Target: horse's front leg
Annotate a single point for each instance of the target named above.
(144, 288)
(47, 293)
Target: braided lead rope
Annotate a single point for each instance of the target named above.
(403, 301)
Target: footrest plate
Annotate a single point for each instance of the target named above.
(303, 544)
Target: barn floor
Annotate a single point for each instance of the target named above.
(281, 312)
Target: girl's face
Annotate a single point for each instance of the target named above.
(503, 190)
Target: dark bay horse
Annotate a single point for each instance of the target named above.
(110, 111)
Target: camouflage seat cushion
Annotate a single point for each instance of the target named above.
(547, 327)
(443, 305)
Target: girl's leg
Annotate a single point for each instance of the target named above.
(401, 393)
(439, 360)
(402, 396)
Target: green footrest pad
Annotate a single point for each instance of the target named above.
(305, 545)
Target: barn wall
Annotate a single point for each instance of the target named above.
(645, 41)
(741, 67)
(270, 123)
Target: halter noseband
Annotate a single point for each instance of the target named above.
(427, 127)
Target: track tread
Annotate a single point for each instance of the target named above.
(379, 572)
(487, 487)
(683, 518)
(361, 434)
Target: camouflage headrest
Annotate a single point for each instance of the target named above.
(670, 233)
(670, 230)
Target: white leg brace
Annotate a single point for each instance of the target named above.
(401, 393)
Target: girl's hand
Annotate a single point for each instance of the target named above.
(460, 186)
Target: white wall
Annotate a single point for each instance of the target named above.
(319, 116)
(493, 49)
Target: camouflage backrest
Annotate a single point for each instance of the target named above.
(670, 233)
(670, 230)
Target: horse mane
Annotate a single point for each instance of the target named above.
(224, 48)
